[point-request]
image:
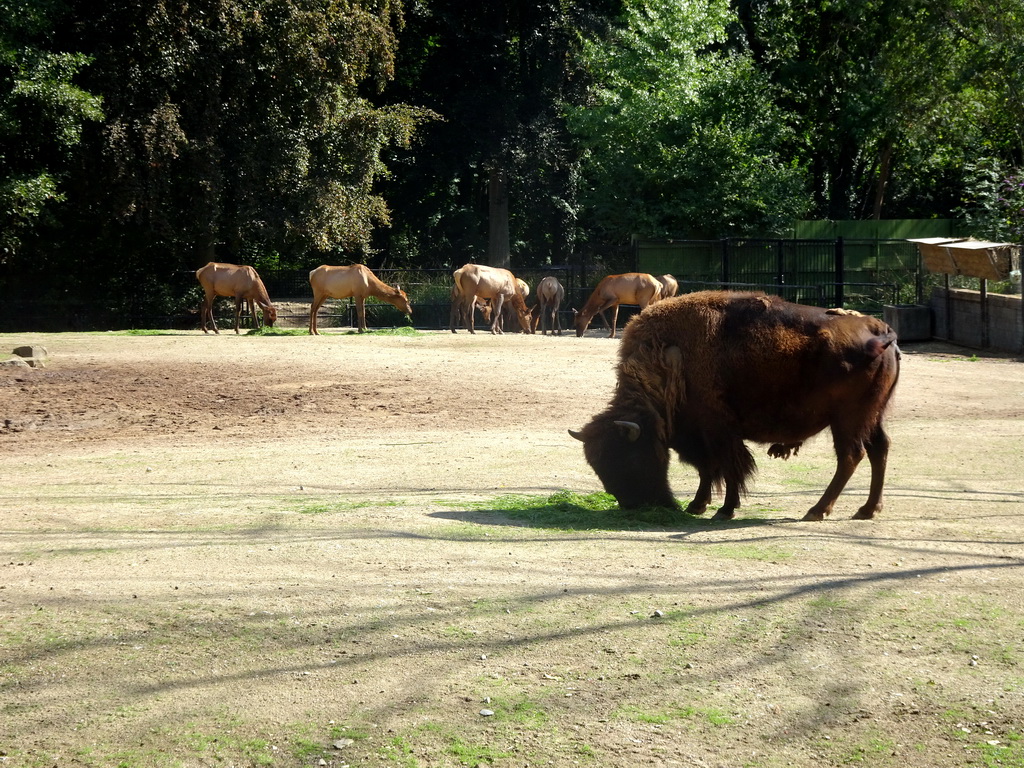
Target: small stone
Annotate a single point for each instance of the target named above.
(342, 743)
(487, 712)
(658, 615)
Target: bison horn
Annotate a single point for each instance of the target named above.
(577, 435)
(632, 429)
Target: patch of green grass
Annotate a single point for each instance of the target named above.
(828, 603)
(871, 753)
(270, 330)
(710, 715)
(527, 714)
(149, 332)
(474, 754)
(334, 507)
(1007, 753)
(398, 751)
(461, 532)
(401, 331)
(459, 633)
(766, 554)
(570, 511)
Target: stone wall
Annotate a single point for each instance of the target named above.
(959, 319)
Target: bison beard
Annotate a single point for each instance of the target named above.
(702, 373)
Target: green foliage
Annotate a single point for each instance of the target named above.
(683, 137)
(42, 114)
(244, 124)
(270, 330)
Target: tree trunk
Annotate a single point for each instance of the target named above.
(884, 170)
(498, 252)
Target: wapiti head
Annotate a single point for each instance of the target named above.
(403, 306)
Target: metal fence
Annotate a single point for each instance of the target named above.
(858, 274)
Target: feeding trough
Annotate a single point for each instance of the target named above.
(970, 258)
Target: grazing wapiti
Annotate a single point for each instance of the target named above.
(550, 295)
(630, 288)
(455, 318)
(701, 373)
(669, 286)
(476, 281)
(357, 281)
(234, 281)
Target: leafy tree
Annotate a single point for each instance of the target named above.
(42, 112)
(894, 99)
(238, 127)
(501, 159)
(682, 136)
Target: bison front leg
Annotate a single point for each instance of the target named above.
(701, 499)
(732, 502)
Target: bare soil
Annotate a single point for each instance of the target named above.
(295, 551)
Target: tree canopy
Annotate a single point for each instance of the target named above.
(146, 139)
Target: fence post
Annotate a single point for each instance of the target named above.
(725, 263)
(780, 264)
(840, 271)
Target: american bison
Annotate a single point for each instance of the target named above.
(703, 372)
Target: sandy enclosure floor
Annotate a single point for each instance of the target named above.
(250, 550)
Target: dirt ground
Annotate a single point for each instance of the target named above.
(283, 551)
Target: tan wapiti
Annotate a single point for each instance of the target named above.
(455, 318)
(669, 286)
(356, 281)
(550, 295)
(476, 281)
(630, 288)
(238, 282)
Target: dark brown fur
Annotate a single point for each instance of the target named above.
(702, 373)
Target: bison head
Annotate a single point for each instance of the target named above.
(629, 455)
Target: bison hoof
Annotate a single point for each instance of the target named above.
(693, 508)
(724, 513)
(814, 516)
(865, 513)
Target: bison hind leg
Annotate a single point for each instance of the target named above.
(867, 512)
